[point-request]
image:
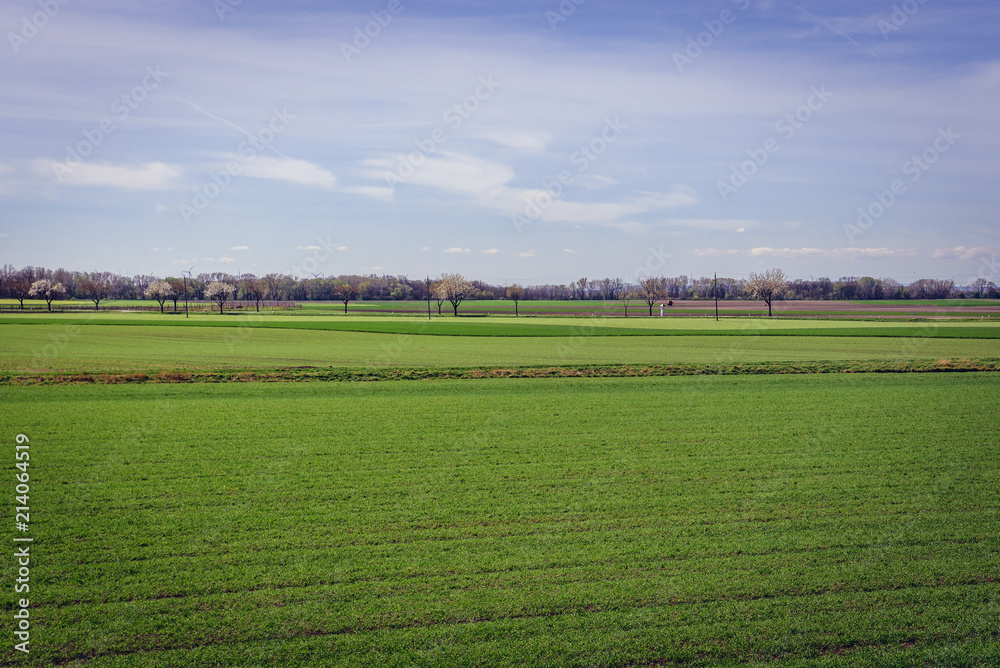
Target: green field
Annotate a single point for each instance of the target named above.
(846, 520)
(833, 519)
(102, 343)
(865, 310)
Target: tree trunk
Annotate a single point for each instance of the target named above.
(345, 307)
(455, 306)
(515, 309)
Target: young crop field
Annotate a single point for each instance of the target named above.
(77, 343)
(785, 514)
(836, 520)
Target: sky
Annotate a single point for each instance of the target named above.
(531, 141)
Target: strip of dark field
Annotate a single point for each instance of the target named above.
(452, 327)
(341, 374)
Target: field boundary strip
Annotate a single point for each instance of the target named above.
(347, 374)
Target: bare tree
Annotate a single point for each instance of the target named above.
(979, 287)
(47, 290)
(651, 290)
(453, 288)
(345, 291)
(220, 292)
(97, 286)
(270, 283)
(17, 285)
(625, 296)
(142, 282)
(177, 289)
(767, 286)
(161, 291)
(514, 293)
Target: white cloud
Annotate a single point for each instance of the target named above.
(959, 253)
(426, 248)
(595, 182)
(486, 182)
(523, 141)
(568, 250)
(292, 170)
(234, 248)
(850, 253)
(308, 248)
(456, 249)
(376, 192)
(148, 176)
(709, 252)
(227, 259)
(529, 253)
(492, 251)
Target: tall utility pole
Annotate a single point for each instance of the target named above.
(715, 293)
(428, 286)
(187, 275)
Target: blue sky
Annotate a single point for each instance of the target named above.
(530, 141)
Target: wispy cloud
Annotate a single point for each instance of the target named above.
(850, 253)
(960, 253)
(486, 183)
(291, 169)
(148, 176)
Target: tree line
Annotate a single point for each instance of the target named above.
(50, 285)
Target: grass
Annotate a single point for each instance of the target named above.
(73, 348)
(552, 327)
(786, 520)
